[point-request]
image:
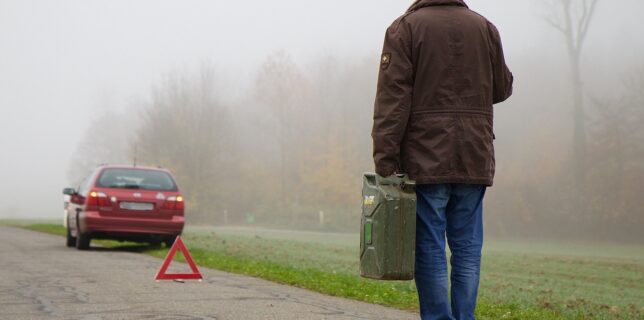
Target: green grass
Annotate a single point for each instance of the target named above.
(45, 227)
(527, 280)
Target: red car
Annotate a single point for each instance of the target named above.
(125, 203)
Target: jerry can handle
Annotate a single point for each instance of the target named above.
(399, 180)
(405, 183)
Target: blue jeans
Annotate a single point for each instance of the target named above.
(454, 211)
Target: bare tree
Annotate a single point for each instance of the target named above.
(105, 142)
(573, 18)
(279, 87)
(187, 129)
(617, 172)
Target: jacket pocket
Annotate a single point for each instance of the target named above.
(428, 147)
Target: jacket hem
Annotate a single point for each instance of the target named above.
(447, 179)
(472, 112)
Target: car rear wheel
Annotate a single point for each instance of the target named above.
(82, 240)
(71, 241)
(169, 241)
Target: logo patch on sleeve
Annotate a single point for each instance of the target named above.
(385, 60)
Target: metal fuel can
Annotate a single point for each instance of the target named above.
(388, 232)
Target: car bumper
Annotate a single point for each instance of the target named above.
(93, 222)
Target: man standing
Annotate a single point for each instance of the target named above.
(441, 71)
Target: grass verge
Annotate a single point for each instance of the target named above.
(514, 285)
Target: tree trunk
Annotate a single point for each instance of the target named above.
(579, 126)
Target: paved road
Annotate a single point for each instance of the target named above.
(42, 279)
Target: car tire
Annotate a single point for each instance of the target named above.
(82, 240)
(155, 244)
(71, 241)
(169, 241)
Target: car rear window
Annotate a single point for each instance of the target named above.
(136, 179)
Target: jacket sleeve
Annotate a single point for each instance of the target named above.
(503, 78)
(393, 99)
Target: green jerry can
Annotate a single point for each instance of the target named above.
(388, 233)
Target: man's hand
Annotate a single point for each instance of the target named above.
(386, 173)
(392, 174)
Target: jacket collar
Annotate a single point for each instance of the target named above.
(428, 3)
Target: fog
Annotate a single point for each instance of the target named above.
(78, 79)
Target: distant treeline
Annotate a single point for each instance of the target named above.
(291, 149)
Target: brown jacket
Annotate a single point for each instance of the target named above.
(441, 71)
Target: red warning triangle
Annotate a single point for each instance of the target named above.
(178, 245)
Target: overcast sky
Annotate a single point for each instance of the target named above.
(62, 61)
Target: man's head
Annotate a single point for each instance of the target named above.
(423, 3)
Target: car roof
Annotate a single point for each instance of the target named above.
(132, 167)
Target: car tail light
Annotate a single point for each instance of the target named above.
(98, 199)
(173, 203)
(179, 204)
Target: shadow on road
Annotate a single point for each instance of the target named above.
(134, 248)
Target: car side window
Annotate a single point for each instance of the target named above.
(84, 187)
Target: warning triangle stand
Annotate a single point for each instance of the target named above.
(178, 245)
